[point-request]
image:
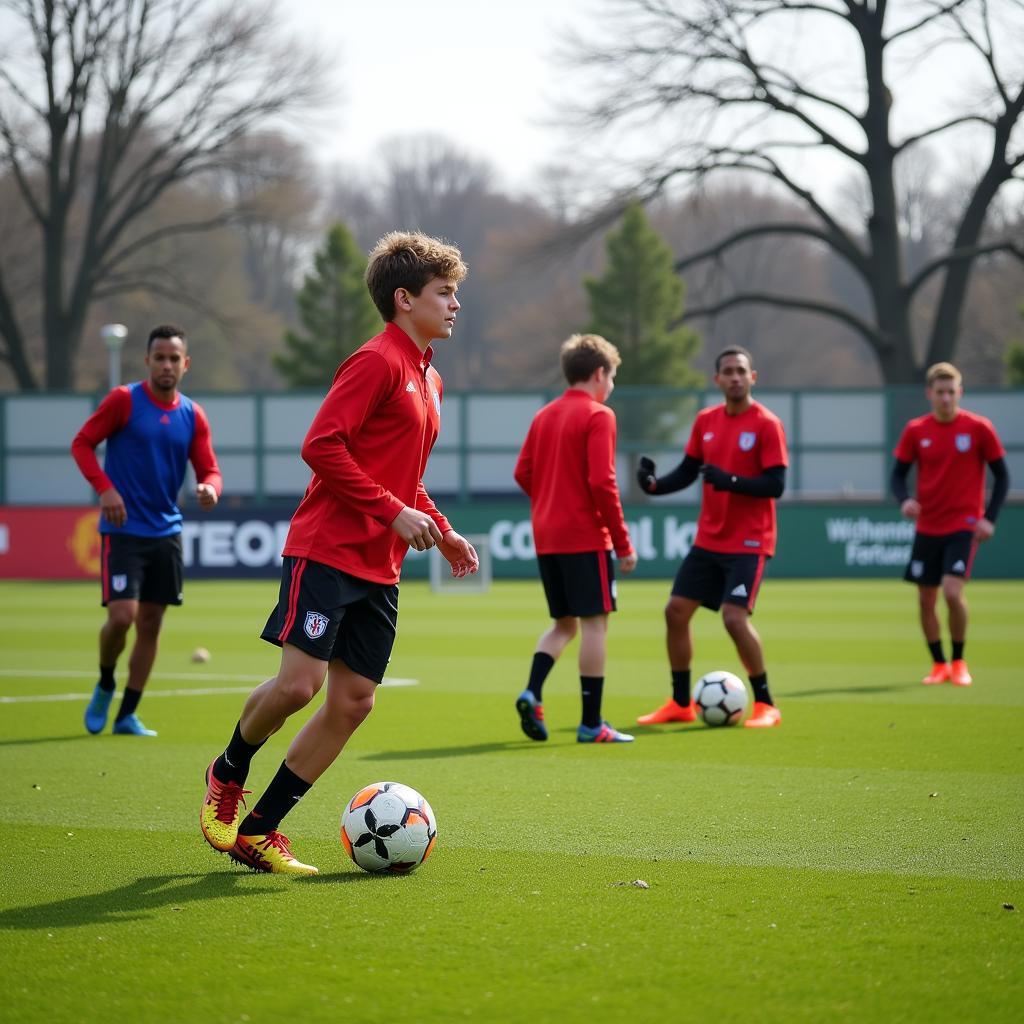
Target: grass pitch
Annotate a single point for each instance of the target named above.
(862, 862)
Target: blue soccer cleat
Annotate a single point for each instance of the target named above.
(97, 710)
(531, 716)
(131, 726)
(602, 733)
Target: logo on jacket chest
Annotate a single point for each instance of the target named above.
(746, 440)
(963, 442)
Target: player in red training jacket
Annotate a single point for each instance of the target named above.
(567, 467)
(739, 448)
(364, 508)
(951, 447)
(152, 431)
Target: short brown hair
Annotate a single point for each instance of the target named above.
(582, 354)
(409, 259)
(942, 371)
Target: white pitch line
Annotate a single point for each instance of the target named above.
(211, 691)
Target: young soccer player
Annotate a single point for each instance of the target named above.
(152, 431)
(951, 447)
(740, 449)
(567, 467)
(364, 507)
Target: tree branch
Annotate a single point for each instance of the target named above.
(861, 326)
(959, 256)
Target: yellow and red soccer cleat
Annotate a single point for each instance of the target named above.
(271, 853)
(670, 711)
(940, 673)
(959, 675)
(219, 818)
(764, 716)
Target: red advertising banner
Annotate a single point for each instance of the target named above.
(49, 543)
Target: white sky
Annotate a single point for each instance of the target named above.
(478, 72)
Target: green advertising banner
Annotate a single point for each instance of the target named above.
(836, 540)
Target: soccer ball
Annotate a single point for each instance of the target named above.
(721, 698)
(388, 827)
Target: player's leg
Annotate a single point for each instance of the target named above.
(593, 653)
(698, 581)
(925, 570)
(364, 638)
(529, 703)
(112, 639)
(957, 558)
(260, 843)
(267, 708)
(956, 605)
(148, 620)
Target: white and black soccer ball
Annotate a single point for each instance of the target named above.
(721, 698)
(388, 827)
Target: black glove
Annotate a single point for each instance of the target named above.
(718, 478)
(645, 475)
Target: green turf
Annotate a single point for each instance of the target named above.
(855, 864)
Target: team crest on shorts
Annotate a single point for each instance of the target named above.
(119, 582)
(747, 439)
(963, 442)
(916, 568)
(315, 625)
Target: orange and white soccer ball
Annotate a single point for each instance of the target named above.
(388, 827)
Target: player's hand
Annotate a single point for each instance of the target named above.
(460, 554)
(417, 529)
(645, 475)
(716, 477)
(112, 507)
(627, 563)
(984, 530)
(206, 495)
(910, 509)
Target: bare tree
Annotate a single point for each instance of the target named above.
(764, 88)
(106, 106)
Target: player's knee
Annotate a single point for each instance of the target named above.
(295, 692)
(676, 616)
(735, 618)
(121, 616)
(350, 709)
(566, 627)
(953, 592)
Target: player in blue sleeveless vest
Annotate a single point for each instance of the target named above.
(151, 431)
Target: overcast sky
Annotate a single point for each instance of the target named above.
(475, 71)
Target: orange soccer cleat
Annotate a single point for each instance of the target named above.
(959, 675)
(764, 716)
(670, 711)
(940, 673)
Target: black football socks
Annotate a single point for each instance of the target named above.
(233, 764)
(591, 688)
(286, 789)
(681, 687)
(129, 702)
(936, 651)
(107, 678)
(542, 665)
(759, 684)
(958, 650)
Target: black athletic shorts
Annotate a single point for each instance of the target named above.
(329, 614)
(141, 568)
(934, 556)
(715, 579)
(582, 583)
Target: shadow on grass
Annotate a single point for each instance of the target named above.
(30, 740)
(838, 690)
(472, 750)
(131, 902)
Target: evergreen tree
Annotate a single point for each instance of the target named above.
(637, 304)
(336, 311)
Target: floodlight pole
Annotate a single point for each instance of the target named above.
(113, 336)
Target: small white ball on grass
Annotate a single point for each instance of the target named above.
(200, 655)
